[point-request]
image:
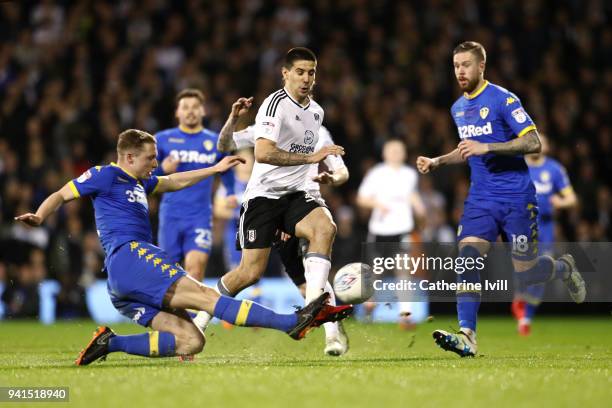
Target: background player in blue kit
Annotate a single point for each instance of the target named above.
(185, 217)
(143, 283)
(495, 133)
(554, 192)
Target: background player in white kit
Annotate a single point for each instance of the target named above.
(334, 172)
(390, 190)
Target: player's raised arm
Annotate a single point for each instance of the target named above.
(267, 152)
(184, 179)
(226, 141)
(49, 206)
(427, 164)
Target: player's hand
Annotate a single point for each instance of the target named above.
(324, 178)
(469, 148)
(284, 236)
(322, 154)
(231, 201)
(30, 219)
(556, 201)
(228, 162)
(241, 106)
(425, 164)
(170, 164)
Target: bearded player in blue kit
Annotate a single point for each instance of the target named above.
(185, 217)
(495, 133)
(142, 282)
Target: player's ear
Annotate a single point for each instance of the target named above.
(285, 73)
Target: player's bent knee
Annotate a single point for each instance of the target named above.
(190, 341)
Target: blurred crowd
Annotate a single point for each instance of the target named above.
(73, 74)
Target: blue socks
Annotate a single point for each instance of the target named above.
(544, 270)
(152, 344)
(468, 302)
(248, 313)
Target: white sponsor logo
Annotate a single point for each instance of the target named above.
(84, 177)
(139, 312)
(193, 156)
(473, 130)
(519, 115)
(252, 235)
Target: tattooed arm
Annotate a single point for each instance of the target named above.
(267, 152)
(529, 143)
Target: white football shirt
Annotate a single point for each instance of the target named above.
(394, 188)
(245, 138)
(295, 129)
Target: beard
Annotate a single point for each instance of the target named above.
(470, 86)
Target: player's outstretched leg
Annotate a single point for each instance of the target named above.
(105, 341)
(546, 269)
(187, 293)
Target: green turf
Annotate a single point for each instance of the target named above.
(566, 362)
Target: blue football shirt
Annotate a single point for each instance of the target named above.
(549, 178)
(493, 114)
(120, 204)
(194, 151)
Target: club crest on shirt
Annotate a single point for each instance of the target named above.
(84, 177)
(316, 116)
(484, 112)
(208, 145)
(519, 115)
(308, 137)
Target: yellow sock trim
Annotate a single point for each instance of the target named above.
(154, 344)
(243, 312)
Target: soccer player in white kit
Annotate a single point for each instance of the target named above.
(286, 132)
(290, 250)
(390, 190)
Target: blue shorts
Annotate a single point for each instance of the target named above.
(178, 235)
(139, 275)
(231, 253)
(516, 222)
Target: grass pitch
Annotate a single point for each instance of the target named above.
(566, 362)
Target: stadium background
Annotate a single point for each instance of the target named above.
(73, 74)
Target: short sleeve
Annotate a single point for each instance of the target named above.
(368, 185)
(561, 180)
(244, 138)
(515, 115)
(94, 181)
(150, 185)
(269, 118)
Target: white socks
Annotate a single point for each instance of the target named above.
(331, 328)
(316, 272)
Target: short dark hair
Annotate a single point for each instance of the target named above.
(298, 54)
(133, 139)
(190, 93)
(472, 46)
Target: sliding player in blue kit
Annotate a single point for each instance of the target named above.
(142, 282)
(495, 133)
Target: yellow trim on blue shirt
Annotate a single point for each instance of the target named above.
(527, 129)
(74, 189)
(566, 190)
(190, 131)
(477, 92)
(159, 180)
(124, 170)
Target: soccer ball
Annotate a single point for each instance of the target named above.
(353, 283)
